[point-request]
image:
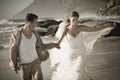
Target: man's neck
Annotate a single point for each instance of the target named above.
(27, 29)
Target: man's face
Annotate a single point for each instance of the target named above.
(34, 24)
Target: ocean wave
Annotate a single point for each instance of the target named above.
(6, 45)
(4, 21)
(98, 17)
(10, 22)
(8, 29)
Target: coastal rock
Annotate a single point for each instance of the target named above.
(1, 47)
(47, 23)
(49, 27)
(52, 30)
(42, 33)
(112, 8)
(115, 31)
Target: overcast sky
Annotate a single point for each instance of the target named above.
(47, 8)
(8, 8)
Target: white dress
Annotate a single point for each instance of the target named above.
(71, 58)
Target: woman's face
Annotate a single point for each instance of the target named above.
(73, 20)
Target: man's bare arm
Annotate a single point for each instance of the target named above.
(45, 46)
(50, 45)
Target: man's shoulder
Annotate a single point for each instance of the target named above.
(16, 32)
(36, 34)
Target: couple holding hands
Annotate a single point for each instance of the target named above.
(27, 49)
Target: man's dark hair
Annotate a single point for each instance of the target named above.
(31, 17)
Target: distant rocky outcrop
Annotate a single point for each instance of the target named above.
(112, 8)
(115, 31)
(52, 30)
(1, 47)
(49, 27)
(47, 23)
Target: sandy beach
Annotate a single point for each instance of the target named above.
(103, 63)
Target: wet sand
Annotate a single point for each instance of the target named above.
(103, 63)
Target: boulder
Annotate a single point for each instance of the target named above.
(115, 31)
(42, 33)
(47, 23)
(1, 47)
(51, 26)
(112, 8)
(52, 30)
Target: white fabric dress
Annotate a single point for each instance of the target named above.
(71, 58)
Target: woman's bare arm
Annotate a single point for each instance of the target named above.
(92, 29)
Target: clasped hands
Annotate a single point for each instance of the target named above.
(57, 45)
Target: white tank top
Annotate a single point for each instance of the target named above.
(27, 50)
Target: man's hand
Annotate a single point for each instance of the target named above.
(57, 45)
(16, 69)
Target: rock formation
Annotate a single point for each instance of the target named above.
(112, 8)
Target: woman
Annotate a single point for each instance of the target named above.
(71, 58)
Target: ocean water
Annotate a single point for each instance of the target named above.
(6, 28)
(9, 26)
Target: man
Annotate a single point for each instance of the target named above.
(27, 50)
